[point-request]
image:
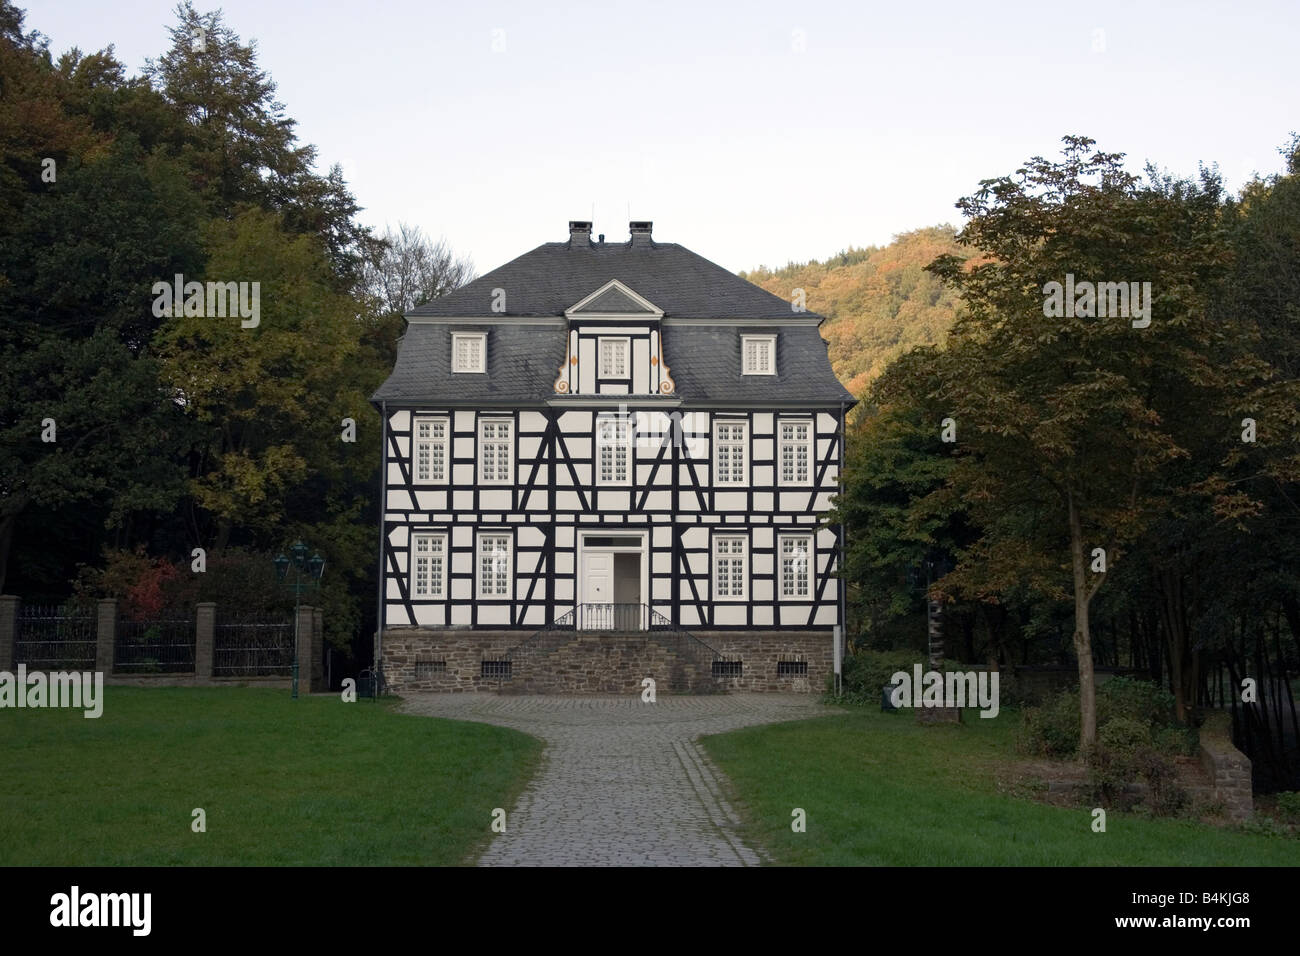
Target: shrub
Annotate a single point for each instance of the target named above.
(1165, 797)
(866, 672)
(1138, 700)
(1288, 806)
(1175, 741)
(1053, 729)
(1115, 760)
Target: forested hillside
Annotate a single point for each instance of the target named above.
(879, 301)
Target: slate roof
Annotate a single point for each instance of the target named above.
(556, 275)
(523, 361)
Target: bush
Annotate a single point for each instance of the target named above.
(1053, 729)
(1175, 741)
(1164, 797)
(1142, 701)
(866, 672)
(1288, 806)
(1116, 759)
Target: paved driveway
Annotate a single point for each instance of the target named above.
(622, 782)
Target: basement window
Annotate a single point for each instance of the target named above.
(728, 668)
(426, 669)
(791, 668)
(495, 670)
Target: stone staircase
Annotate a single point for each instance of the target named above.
(595, 662)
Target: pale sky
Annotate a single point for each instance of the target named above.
(753, 132)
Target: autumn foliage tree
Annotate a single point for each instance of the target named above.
(1068, 425)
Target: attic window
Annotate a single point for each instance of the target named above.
(613, 358)
(468, 350)
(759, 354)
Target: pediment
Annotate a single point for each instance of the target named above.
(614, 299)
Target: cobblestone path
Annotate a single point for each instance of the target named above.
(622, 782)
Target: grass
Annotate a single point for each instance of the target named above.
(283, 782)
(880, 790)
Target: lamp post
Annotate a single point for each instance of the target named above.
(306, 575)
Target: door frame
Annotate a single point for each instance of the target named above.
(641, 548)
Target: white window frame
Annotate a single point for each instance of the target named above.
(805, 444)
(489, 589)
(723, 567)
(626, 445)
(725, 475)
(456, 339)
(432, 442)
(809, 568)
(626, 343)
(437, 590)
(768, 341)
(509, 444)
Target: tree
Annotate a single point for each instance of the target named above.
(270, 398)
(1062, 414)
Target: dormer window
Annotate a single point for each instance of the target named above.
(468, 350)
(759, 354)
(613, 358)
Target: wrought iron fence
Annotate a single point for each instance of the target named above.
(163, 646)
(55, 638)
(253, 647)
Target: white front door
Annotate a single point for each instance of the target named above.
(597, 577)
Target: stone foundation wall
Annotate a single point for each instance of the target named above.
(453, 657)
(429, 659)
(761, 652)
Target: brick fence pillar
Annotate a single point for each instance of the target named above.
(318, 650)
(306, 640)
(8, 630)
(106, 635)
(205, 629)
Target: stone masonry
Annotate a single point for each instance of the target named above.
(451, 660)
(1227, 767)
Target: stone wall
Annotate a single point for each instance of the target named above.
(1227, 767)
(429, 659)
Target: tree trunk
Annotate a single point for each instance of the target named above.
(1082, 637)
(1182, 659)
(224, 527)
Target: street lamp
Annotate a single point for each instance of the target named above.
(306, 575)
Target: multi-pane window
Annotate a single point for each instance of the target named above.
(467, 349)
(729, 572)
(796, 561)
(428, 565)
(796, 452)
(431, 449)
(494, 565)
(759, 353)
(730, 442)
(613, 451)
(495, 450)
(613, 358)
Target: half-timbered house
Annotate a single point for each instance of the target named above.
(605, 462)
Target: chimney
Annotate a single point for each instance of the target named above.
(579, 233)
(640, 229)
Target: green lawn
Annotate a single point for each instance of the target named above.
(313, 781)
(879, 790)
